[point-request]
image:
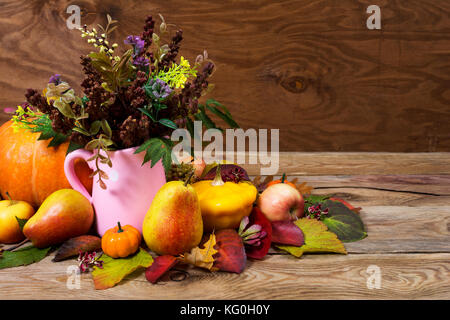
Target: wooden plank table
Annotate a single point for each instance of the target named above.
(406, 209)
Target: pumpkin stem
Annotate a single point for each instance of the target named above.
(218, 178)
(283, 178)
(120, 228)
(9, 197)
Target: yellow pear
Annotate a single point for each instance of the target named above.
(173, 225)
(65, 214)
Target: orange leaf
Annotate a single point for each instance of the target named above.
(304, 189)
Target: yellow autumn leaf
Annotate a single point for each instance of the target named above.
(202, 257)
(317, 239)
(114, 270)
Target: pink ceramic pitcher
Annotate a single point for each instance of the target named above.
(130, 188)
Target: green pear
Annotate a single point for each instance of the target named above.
(173, 225)
(65, 214)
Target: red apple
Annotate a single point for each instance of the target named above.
(198, 164)
(281, 202)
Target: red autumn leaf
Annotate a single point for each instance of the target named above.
(72, 247)
(348, 205)
(160, 266)
(260, 251)
(286, 232)
(231, 255)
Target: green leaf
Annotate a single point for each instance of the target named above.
(95, 127)
(57, 140)
(317, 239)
(203, 117)
(143, 146)
(156, 149)
(345, 223)
(43, 125)
(64, 108)
(314, 199)
(106, 128)
(168, 123)
(21, 222)
(147, 113)
(92, 145)
(224, 115)
(82, 131)
(73, 146)
(114, 270)
(22, 257)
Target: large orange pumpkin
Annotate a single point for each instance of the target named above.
(29, 170)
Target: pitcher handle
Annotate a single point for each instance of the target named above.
(69, 170)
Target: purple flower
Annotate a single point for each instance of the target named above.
(136, 42)
(138, 49)
(158, 89)
(140, 61)
(56, 79)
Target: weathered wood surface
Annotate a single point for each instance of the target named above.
(407, 219)
(404, 276)
(308, 67)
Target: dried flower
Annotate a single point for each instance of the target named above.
(251, 235)
(55, 79)
(87, 260)
(316, 212)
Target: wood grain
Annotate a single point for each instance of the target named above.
(359, 163)
(310, 68)
(404, 276)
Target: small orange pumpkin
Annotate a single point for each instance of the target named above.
(120, 242)
(283, 180)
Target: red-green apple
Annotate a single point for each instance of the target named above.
(281, 202)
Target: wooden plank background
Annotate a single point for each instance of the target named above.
(308, 67)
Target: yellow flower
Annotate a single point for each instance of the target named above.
(184, 63)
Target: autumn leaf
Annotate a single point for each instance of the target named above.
(22, 257)
(114, 270)
(348, 205)
(72, 247)
(303, 188)
(230, 256)
(343, 221)
(261, 185)
(287, 232)
(317, 239)
(202, 257)
(159, 267)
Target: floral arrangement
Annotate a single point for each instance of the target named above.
(133, 99)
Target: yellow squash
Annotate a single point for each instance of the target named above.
(224, 204)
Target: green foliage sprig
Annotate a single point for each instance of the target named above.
(39, 123)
